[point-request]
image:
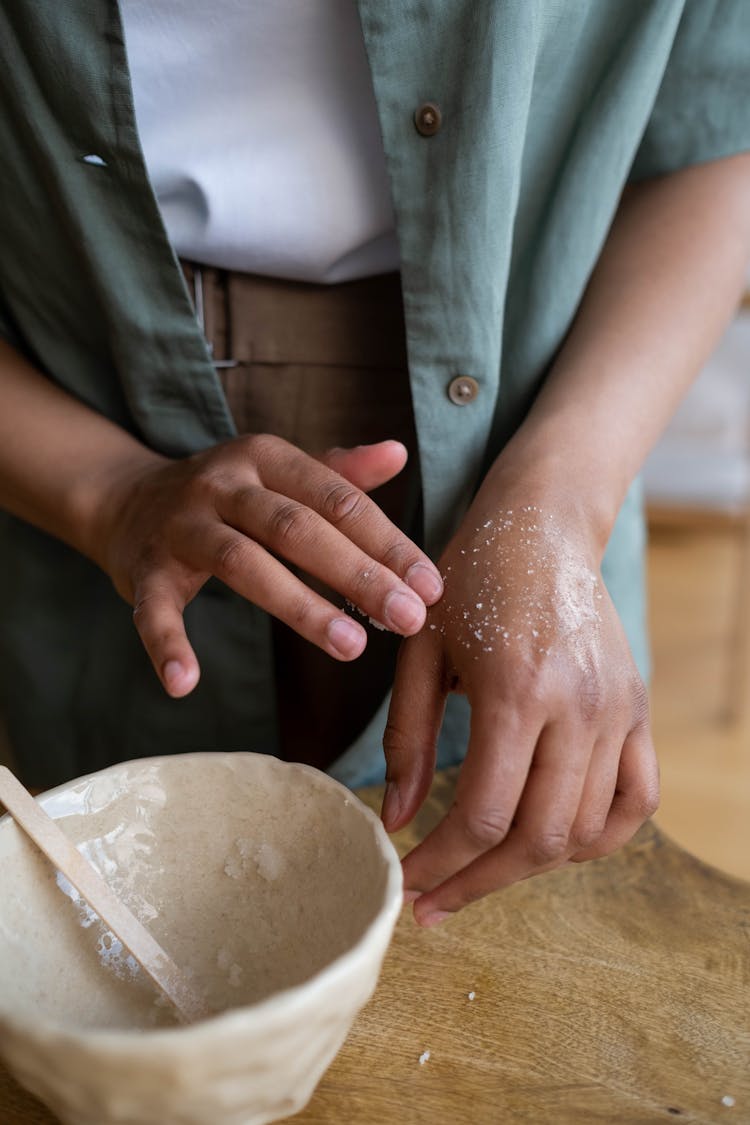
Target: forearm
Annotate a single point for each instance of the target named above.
(664, 289)
(57, 456)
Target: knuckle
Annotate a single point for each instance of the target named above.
(523, 683)
(301, 610)
(206, 482)
(397, 555)
(400, 742)
(640, 703)
(229, 558)
(482, 828)
(244, 496)
(395, 737)
(260, 446)
(535, 690)
(342, 501)
(148, 606)
(540, 682)
(289, 523)
(644, 799)
(548, 846)
(585, 833)
(143, 611)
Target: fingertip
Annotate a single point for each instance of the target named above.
(434, 918)
(346, 638)
(178, 678)
(404, 612)
(426, 581)
(391, 809)
(397, 447)
(367, 466)
(398, 454)
(400, 808)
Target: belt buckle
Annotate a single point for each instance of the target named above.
(200, 316)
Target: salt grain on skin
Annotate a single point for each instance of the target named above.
(534, 538)
(355, 609)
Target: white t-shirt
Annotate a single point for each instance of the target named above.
(260, 133)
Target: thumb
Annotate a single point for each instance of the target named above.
(367, 466)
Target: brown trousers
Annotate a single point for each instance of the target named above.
(321, 366)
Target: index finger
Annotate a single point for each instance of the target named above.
(287, 470)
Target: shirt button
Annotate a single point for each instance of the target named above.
(428, 119)
(463, 390)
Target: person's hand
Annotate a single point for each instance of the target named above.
(560, 764)
(165, 527)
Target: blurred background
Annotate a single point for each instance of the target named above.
(698, 500)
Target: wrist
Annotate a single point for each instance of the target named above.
(97, 497)
(557, 477)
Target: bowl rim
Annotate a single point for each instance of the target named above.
(278, 1005)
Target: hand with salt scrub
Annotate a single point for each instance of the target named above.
(560, 764)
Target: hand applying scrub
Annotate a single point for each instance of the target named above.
(560, 764)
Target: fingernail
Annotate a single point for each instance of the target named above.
(346, 637)
(391, 804)
(425, 582)
(173, 675)
(403, 612)
(434, 918)
(410, 896)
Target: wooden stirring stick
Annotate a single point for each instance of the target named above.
(61, 851)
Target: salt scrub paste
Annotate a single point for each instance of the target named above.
(247, 856)
(531, 586)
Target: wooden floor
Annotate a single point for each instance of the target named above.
(704, 754)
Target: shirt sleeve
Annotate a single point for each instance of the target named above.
(702, 109)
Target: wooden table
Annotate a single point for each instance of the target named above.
(615, 992)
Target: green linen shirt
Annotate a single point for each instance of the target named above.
(548, 108)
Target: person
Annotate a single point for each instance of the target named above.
(499, 238)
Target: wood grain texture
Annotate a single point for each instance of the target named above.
(614, 992)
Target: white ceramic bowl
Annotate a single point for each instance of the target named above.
(269, 883)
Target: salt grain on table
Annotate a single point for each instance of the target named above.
(424, 1057)
(728, 1101)
(471, 995)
